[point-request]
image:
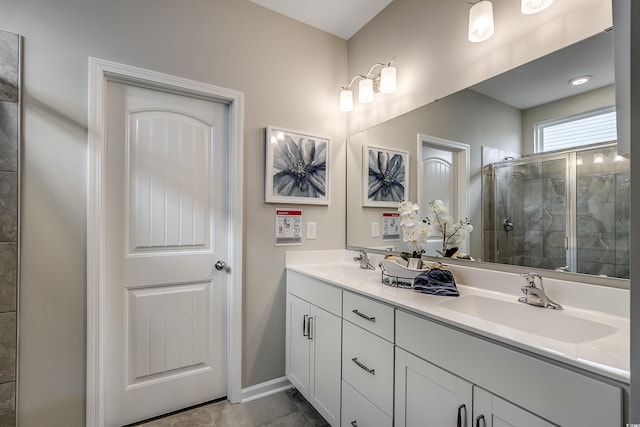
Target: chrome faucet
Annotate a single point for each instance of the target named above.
(363, 259)
(535, 295)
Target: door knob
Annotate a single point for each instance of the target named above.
(220, 265)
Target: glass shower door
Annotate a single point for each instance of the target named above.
(531, 213)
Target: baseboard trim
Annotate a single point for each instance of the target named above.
(265, 389)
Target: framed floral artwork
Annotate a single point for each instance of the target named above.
(297, 167)
(385, 174)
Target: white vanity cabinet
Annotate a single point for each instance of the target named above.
(367, 362)
(313, 342)
(428, 395)
(368, 357)
(525, 391)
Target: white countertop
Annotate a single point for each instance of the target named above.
(607, 355)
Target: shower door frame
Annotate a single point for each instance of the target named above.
(570, 194)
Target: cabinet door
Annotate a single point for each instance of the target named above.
(297, 344)
(326, 338)
(427, 396)
(491, 411)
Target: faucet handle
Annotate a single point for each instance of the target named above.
(530, 277)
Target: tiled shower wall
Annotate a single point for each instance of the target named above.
(603, 199)
(533, 197)
(9, 171)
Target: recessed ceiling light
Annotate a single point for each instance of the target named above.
(577, 81)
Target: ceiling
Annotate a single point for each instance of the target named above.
(547, 79)
(340, 17)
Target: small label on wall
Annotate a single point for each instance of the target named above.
(390, 226)
(288, 227)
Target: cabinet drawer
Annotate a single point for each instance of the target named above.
(367, 365)
(316, 292)
(359, 412)
(371, 315)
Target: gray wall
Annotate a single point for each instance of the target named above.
(290, 74)
(9, 233)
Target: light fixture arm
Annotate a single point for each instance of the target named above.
(369, 74)
(357, 76)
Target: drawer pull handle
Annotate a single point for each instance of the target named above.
(310, 328)
(478, 418)
(364, 316)
(305, 332)
(460, 408)
(371, 371)
(354, 423)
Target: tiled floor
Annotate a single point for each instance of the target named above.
(286, 409)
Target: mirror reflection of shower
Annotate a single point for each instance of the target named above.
(565, 211)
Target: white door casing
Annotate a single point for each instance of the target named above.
(169, 299)
(445, 166)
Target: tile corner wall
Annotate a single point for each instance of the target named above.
(9, 219)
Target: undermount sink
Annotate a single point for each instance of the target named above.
(544, 322)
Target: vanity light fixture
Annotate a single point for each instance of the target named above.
(529, 7)
(385, 82)
(577, 81)
(481, 25)
(481, 21)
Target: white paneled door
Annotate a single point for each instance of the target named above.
(166, 227)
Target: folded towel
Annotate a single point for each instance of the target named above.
(436, 281)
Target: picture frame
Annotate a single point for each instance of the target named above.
(385, 176)
(297, 167)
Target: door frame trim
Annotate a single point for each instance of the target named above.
(100, 73)
(462, 162)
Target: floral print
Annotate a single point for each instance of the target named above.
(300, 168)
(386, 177)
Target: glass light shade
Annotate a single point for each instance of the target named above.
(534, 6)
(388, 80)
(346, 100)
(481, 21)
(365, 91)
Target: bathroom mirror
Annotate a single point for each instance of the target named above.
(496, 121)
